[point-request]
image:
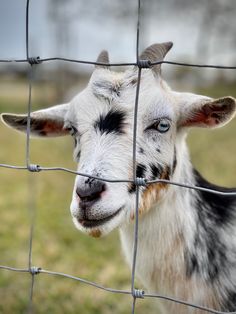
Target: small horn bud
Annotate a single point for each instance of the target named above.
(103, 58)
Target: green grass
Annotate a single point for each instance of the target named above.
(57, 245)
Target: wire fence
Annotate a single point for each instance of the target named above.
(33, 270)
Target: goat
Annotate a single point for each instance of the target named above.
(187, 238)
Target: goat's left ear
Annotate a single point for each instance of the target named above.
(47, 122)
(200, 111)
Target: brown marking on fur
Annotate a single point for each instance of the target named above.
(132, 215)
(183, 309)
(172, 279)
(171, 258)
(95, 233)
(210, 114)
(152, 192)
(186, 293)
(53, 127)
(40, 125)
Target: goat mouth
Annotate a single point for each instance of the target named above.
(92, 223)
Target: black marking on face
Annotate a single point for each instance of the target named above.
(112, 122)
(77, 147)
(141, 150)
(174, 161)
(156, 171)
(116, 90)
(166, 173)
(78, 155)
(134, 81)
(75, 141)
(158, 150)
(140, 173)
(132, 188)
(140, 170)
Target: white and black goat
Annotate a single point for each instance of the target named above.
(187, 238)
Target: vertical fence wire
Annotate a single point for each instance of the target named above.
(134, 293)
(29, 109)
(135, 245)
(31, 179)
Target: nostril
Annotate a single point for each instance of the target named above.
(91, 193)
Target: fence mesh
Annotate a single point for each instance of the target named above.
(33, 270)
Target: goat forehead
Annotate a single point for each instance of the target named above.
(155, 97)
(155, 104)
(106, 93)
(106, 84)
(89, 110)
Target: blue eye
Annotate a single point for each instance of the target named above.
(162, 126)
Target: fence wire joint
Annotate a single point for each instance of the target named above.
(138, 293)
(33, 168)
(34, 270)
(140, 181)
(144, 64)
(34, 60)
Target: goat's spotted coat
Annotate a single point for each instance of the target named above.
(187, 238)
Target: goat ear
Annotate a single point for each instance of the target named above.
(47, 122)
(200, 111)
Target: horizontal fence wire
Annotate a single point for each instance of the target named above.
(124, 64)
(37, 168)
(140, 293)
(139, 182)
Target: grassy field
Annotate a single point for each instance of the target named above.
(57, 245)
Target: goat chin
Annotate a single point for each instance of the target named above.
(103, 227)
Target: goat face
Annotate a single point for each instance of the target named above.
(101, 121)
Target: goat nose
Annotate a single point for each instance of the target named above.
(92, 192)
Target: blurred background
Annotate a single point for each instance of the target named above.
(203, 32)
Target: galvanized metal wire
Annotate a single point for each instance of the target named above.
(34, 62)
(122, 64)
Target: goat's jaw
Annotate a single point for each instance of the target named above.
(98, 228)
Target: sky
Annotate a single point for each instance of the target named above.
(91, 32)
